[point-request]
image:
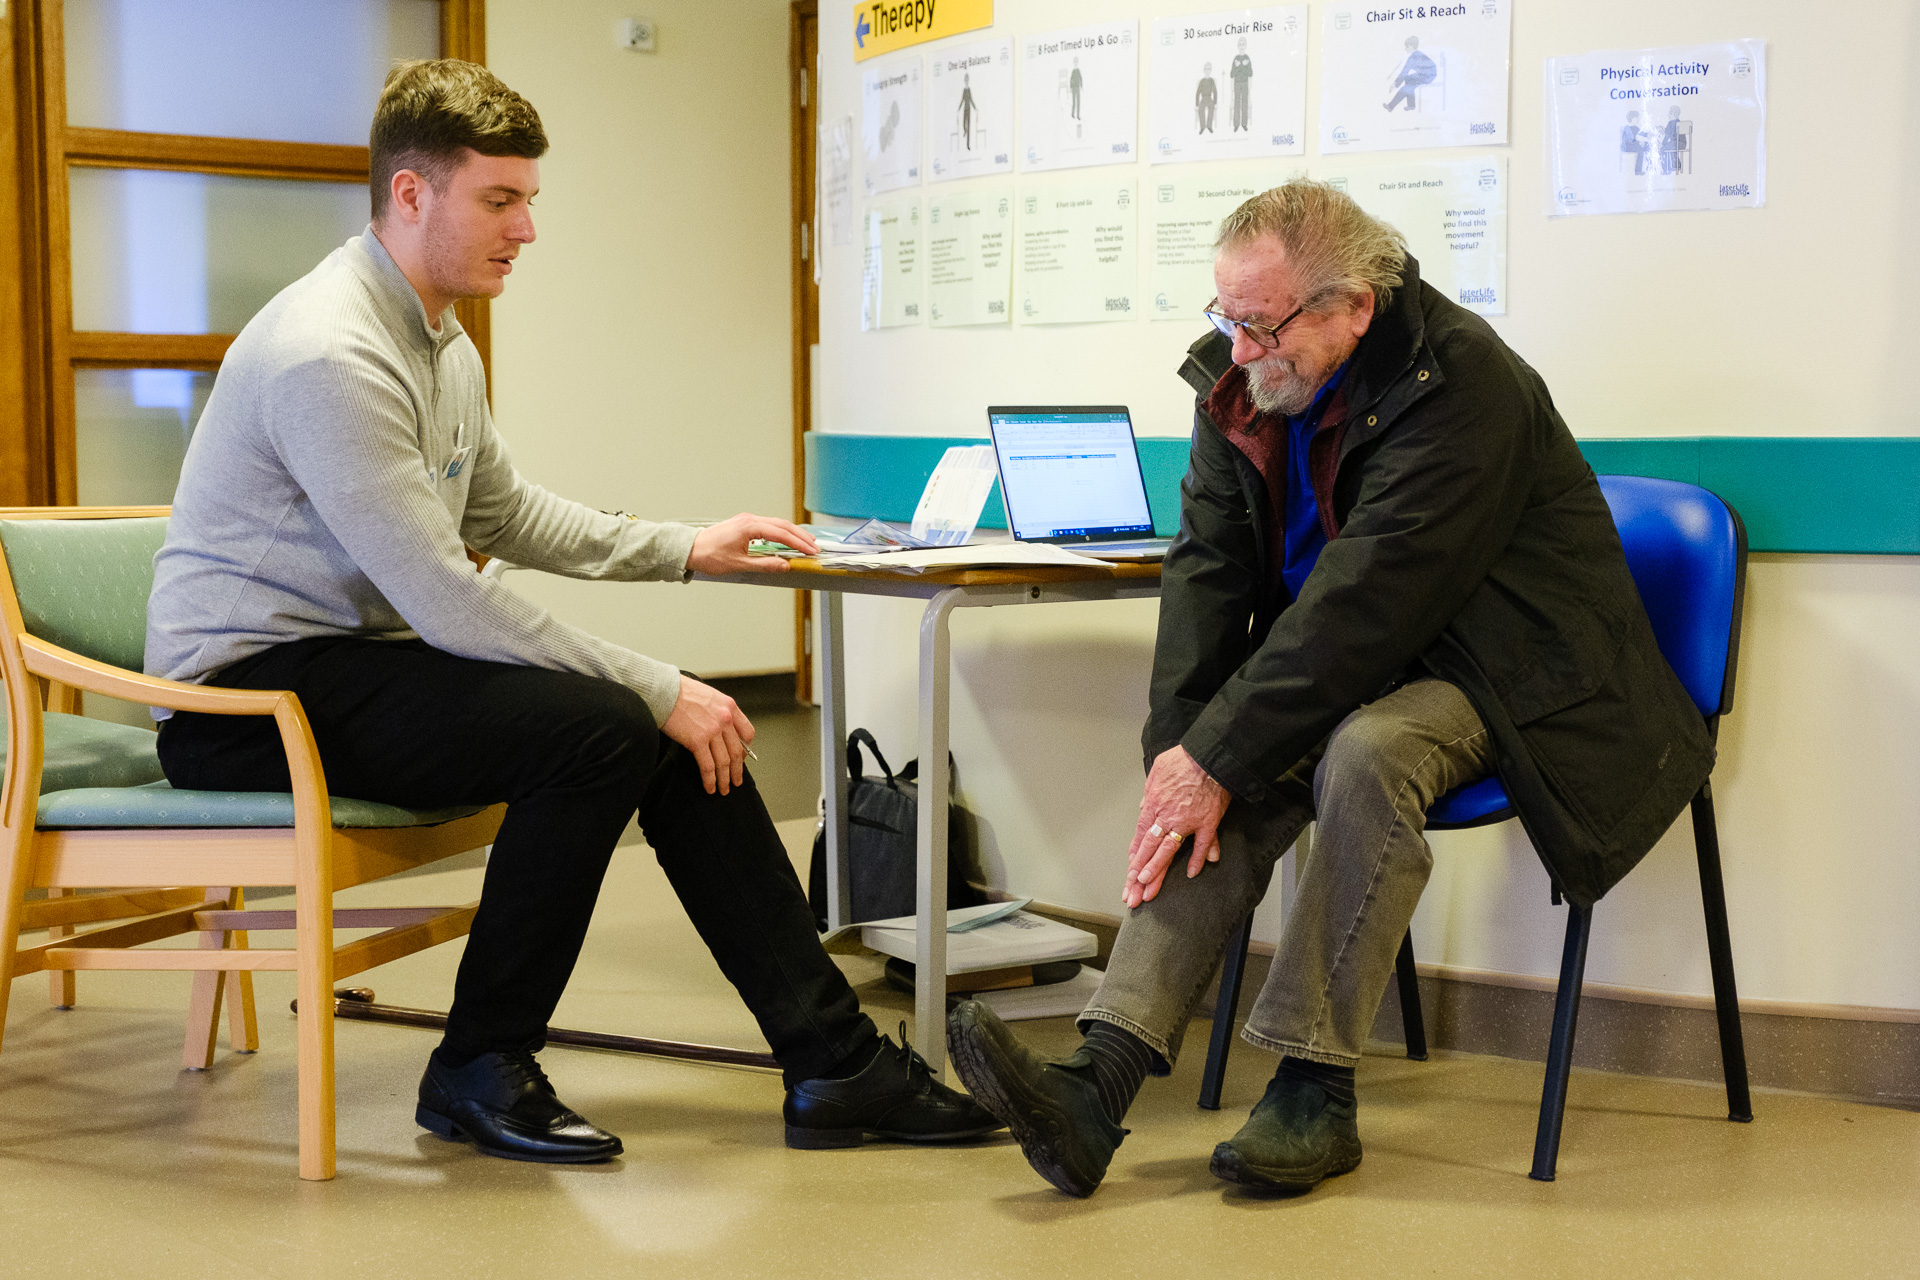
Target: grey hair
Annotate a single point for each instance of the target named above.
(1335, 248)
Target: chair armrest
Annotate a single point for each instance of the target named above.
(308, 778)
(70, 668)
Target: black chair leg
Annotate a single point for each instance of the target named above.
(1411, 1018)
(1233, 967)
(1726, 1001)
(1566, 1013)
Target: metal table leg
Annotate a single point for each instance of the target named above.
(930, 842)
(828, 608)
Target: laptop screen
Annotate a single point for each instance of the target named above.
(1070, 474)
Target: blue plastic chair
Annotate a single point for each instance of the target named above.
(1687, 550)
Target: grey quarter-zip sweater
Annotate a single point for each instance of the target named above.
(344, 458)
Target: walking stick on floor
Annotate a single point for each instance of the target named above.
(357, 1003)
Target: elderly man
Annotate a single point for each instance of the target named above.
(1395, 573)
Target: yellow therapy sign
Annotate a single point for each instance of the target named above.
(881, 26)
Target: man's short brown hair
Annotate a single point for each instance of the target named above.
(430, 111)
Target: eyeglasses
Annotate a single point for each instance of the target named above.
(1264, 335)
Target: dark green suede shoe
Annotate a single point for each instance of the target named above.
(1053, 1110)
(1295, 1137)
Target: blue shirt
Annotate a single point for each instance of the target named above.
(1304, 534)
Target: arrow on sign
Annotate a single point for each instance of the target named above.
(860, 29)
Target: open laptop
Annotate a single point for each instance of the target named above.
(1071, 475)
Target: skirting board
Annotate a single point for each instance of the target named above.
(1863, 1054)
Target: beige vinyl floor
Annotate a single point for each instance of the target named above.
(114, 1163)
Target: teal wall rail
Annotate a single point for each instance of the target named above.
(1845, 494)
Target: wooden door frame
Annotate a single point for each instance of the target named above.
(40, 352)
(803, 35)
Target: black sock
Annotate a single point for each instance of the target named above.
(1337, 1081)
(856, 1062)
(1121, 1061)
(455, 1058)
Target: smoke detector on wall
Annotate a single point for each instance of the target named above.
(636, 34)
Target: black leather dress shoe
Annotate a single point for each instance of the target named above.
(1052, 1105)
(503, 1103)
(895, 1096)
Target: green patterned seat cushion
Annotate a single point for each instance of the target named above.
(92, 753)
(158, 805)
(83, 584)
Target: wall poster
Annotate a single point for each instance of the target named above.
(1229, 86)
(1639, 130)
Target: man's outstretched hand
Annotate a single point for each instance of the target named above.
(1181, 800)
(713, 727)
(722, 548)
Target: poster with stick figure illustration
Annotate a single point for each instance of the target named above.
(1228, 86)
(970, 111)
(1643, 130)
(1432, 75)
(890, 124)
(1079, 91)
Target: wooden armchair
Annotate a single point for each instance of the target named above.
(73, 590)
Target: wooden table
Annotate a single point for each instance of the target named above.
(944, 592)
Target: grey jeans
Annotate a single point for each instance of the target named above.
(1368, 786)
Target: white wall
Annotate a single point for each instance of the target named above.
(1782, 320)
(640, 351)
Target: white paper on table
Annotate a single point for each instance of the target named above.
(890, 124)
(1415, 76)
(1078, 262)
(955, 495)
(1079, 91)
(1453, 214)
(1016, 555)
(1639, 130)
(836, 177)
(1229, 85)
(970, 111)
(970, 257)
(1186, 213)
(890, 269)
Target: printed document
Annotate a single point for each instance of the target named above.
(1394, 77)
(1229, 86)
(890, 124)
(970, 111)
(1186, 213)
(1079, 90)
(890, 269)
(1453, 214)
(970, 257)
(1639, 130)
(1077, 255)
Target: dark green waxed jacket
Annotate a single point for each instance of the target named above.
(1473, 544)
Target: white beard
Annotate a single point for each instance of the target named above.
(1276, 386)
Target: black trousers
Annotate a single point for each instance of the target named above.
(574, 758)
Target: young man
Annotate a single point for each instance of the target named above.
(1395, 573)
(316, 544)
